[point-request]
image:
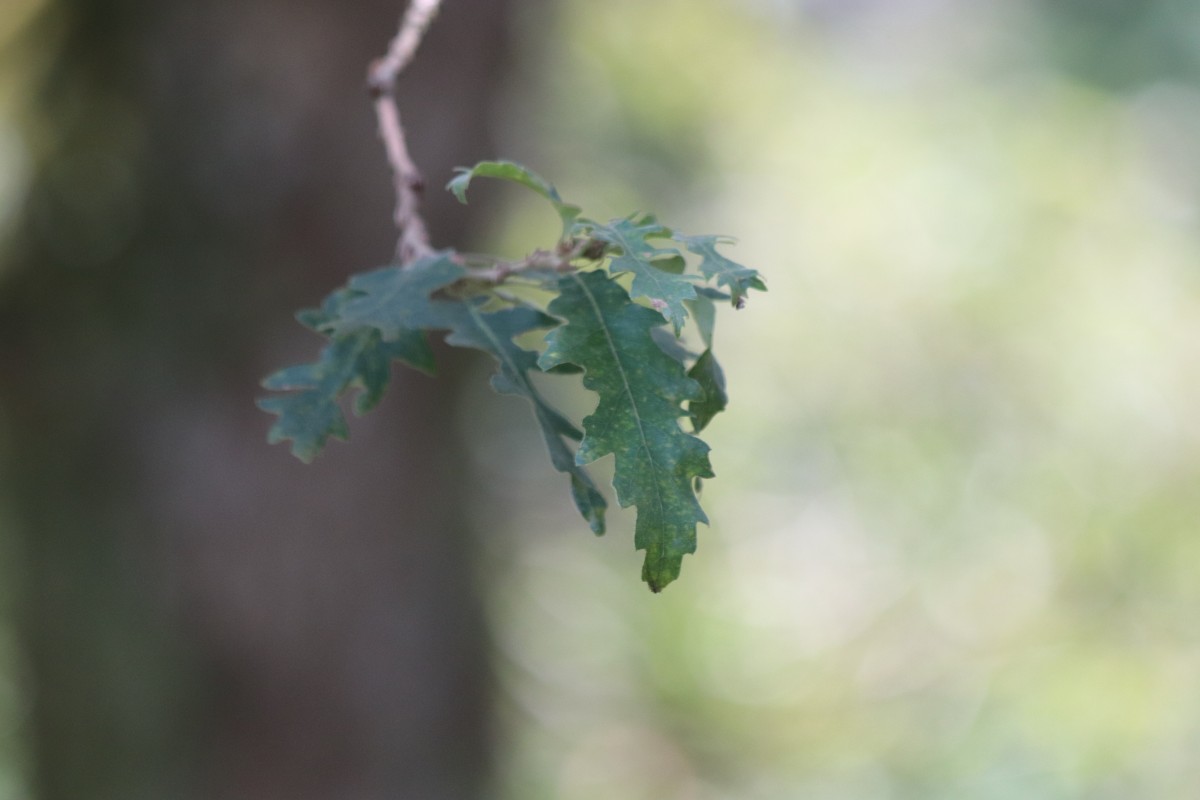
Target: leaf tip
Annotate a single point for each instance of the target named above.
(658, 582)
(660, 569)
(458, 184)
(306, 456)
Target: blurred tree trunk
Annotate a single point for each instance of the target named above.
(202, 615)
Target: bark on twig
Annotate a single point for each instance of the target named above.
(381, 79)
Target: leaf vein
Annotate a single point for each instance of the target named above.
(637, 414)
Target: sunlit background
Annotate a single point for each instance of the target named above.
(954, 548)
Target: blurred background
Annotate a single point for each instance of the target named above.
(954, 546)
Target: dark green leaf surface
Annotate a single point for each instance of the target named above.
(708, 373)
(740, 280)
(653, 267)
(372, 322)
(309, 414)
(410, 345)
(493, 333)
(641, 391)
(393, 300)
(510, 171)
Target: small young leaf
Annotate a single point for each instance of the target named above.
(641, 391)
(654, 268)
(511, 171)
(739, 279)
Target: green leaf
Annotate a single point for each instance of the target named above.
(393, 300)
(711, 293)
(493, 332)
(675, 264)
(671, 345)
(739, 279)
(309, 414)
(372, 322)
(654, 268)
(641, 391)
(705, 313)
(708, 373)
(511, 171)
(646, 377)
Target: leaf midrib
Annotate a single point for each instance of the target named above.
(637, 414)
(498, 347)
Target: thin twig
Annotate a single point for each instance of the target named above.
(381, 79)
(559, 260)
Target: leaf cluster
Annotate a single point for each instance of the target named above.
(621, 294)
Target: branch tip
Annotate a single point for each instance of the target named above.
(381, 84)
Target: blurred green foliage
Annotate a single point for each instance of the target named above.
(1123, 45)
(953, 548)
